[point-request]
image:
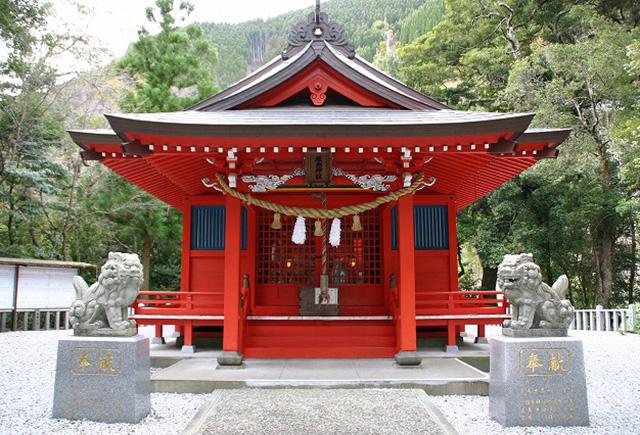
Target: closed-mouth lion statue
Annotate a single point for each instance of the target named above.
(534, 304)
(102, 309)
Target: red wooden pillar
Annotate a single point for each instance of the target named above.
(185, 274)
(407, 284)
(188, 339)
(453, 330)
(481, 337)
(231, 335)
(158, 338)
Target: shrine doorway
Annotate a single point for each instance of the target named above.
(354, 267)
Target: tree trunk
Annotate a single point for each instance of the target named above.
(632, 269)
(10, 218)
(510, 32)
(547, 248)
(489, 278)
(602, 232)
(69, 214)
(147, 246)
(602, 252)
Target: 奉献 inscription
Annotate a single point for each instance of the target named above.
(94, 361)
(545, 362)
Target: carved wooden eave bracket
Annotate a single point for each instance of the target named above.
(89, 154)
(319, 28)
(503, 147)
(135, 148)
(548, 152)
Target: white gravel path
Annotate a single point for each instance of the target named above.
(613, 387)
(27, 370)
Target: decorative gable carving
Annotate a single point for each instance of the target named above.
(318, 27)
(319, 78)
(318, 87)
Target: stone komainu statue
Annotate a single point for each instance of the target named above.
(102, 309)
(534, 304)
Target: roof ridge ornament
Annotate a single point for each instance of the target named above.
(319, 28)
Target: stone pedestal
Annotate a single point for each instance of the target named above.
(538, 382)
(102, 379)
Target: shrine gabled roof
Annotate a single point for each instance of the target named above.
(320, 121)
(374, 120)
(355, 69)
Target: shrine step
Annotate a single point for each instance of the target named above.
(319, 339)
(319, 352)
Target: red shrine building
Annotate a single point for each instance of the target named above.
(319, 199)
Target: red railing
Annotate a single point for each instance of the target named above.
(163, 302)
(461, 302)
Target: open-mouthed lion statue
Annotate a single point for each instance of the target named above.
(102, 309)
(534, 304)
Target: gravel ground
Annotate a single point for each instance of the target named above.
(362, 412)
(613, 388)
(27, 373)
(28, 369)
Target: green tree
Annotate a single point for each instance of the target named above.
(173, 69)
(35, 178)
(585, 85)
(575, 66)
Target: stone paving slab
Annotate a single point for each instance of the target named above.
(295, 411)
(435, 375)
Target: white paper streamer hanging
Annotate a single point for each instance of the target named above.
(334, 234)
(299, 235)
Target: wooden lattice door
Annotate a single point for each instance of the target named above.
(355, 267)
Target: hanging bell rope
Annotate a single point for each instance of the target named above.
(321, 213)
(318, 232)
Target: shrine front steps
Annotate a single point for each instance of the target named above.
(320, 339)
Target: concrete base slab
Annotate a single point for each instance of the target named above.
(451, 349)
(157, 340)
(165, 355)
(481, 340)
(188, 349)
(434, 375)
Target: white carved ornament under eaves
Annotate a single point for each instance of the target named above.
(264, 183)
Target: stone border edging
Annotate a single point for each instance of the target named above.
(435, 414)
(206, 409)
